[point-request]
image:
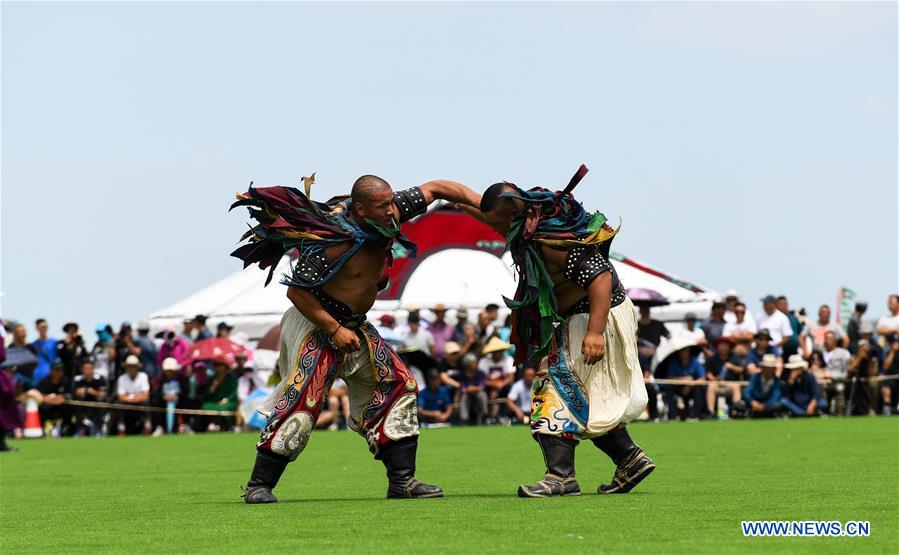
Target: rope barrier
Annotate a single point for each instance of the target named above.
(679, 381)
(142, 408)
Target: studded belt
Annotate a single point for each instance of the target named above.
(339, 310)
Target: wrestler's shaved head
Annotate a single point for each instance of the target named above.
(498, 210)
(367, 188)
(491, 198)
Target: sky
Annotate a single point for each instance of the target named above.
(750, 146)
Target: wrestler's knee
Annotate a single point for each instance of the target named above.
(402, 418)
(292, 436)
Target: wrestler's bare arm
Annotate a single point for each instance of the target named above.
(473, 212)
(309, 307)
(444, 189)
(600, 293)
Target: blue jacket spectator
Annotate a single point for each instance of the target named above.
(434, 402)
(801, 394)
(763, 393)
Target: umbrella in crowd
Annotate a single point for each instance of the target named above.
(209, 349)
(417, 358)
(271, 341)
(669, 348)
(646, 297)
(20, 358)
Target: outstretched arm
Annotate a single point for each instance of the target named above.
(473, 212)
(444, 189)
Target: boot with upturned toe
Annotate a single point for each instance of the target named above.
(558, 454)
(399, 460)
(266, 473)
(632, 464)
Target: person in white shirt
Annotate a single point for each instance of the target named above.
(888, 326)
(416, 337)
(519, 399)
(740, 330)
(731, 300)
(776, 322)
(691, 331)
(132, 388)
(499, 367)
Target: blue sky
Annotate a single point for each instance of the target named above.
(749, 146)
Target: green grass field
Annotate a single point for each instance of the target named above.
(181, 494)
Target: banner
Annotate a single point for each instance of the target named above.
(845, 306)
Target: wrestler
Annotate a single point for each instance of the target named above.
(345, 247)
(572, 321)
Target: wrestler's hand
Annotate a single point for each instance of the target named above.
(346, 340)
(593, 348)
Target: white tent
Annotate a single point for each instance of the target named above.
(455, 277)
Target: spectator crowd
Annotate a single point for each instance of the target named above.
(779, 362)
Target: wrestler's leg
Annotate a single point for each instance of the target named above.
(632, 464)
(549, 420)
(383, 409)
(290, 424)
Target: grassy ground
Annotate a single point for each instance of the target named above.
(180, 494)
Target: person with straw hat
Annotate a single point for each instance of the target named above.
(801, 394)
(500, 370)
(572, 319)
(763, 393)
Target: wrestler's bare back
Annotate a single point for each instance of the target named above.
(567, 292)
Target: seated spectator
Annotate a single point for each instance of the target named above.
(757, 353)
(791, 345)
(472, 394)
(724, 365)
(200, 330)
(449, 367)
(197, 375)
(71, 350)
(500, 370)
(441, 331)
(862, 369)
(149, 353)
(519, 399)
(837, 360)
(416, 337)
(741, 329)
(167, 390)
(223, 331)
(815, 332)
(338, 400)
(24, 376)
(685, 365)
(459, 328)
(89, 387)
(889, 388)
(248, 381)
(54, 390)
(132, 388)
(800, 392)
(435, 405)
(10, 417)
(220, 394)
(731, 303)
(776, 322)
(103, 354)
(855, 324)
(713, 328)
(762, 395)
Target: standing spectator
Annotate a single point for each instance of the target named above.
(54, 390)
(649, 334)
(731, 300)
(435, 405)
(483, 328)
(757, 354)
(200, 331)
(221, 393)
(472, 396)
(10, 417)
(714, 326)
(124, 347)
(103, 353)
(223, 331)
(459, 328)
(777, 324)
(441, 331)
(889, 387)
(816, 331)
(71, 350)
(24, 377)
(791, 346)
(685, 365)
(741, 330)
(888, 326)
(800, 392)
(837, 360)
(863, 367)
(416, 337)
(855, 323)
(692, 332)
(148, 352)
(386, 325)
(132, 388)
(519, 399)
(89, 387)
(187, 331)
(499, 369)
(763, 393)
(172, 346)
(45, 347)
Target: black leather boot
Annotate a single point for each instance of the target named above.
(632, 463)
(558, 454)
(399, 460)
(266, 473)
